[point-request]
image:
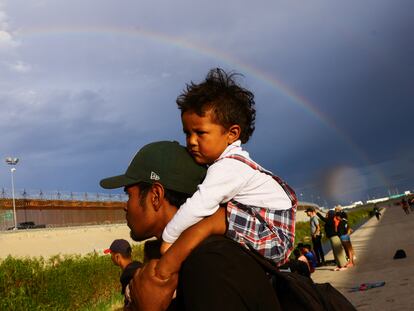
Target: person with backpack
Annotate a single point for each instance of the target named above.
(376, 212)
(335, 241)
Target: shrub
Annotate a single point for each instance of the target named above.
(59, 283)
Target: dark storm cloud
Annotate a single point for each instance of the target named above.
(84, 84)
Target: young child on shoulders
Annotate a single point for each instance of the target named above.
(218, 116)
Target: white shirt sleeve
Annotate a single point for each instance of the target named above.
(223, 181)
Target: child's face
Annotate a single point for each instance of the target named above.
(206, 140)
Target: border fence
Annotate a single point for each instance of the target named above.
(62, 195)
(61, 208)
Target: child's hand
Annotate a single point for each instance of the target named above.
(164, 247)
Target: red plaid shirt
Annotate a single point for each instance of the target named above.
(269, 232)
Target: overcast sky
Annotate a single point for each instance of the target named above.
(84, 84)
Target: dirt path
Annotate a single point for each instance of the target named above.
(375, 244)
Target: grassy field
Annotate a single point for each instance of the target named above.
(88, 282)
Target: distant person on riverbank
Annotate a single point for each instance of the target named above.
(300, 264)
(121, 255)
(309, 255)
(344, 231)
(376, 212)
(335, 241)
(411, 203)
(316, 235)
(405, 206)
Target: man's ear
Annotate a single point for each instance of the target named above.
(156, 195)
(233, 133)
(118, 259)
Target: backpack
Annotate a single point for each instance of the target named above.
(297, 292)
(399, 254)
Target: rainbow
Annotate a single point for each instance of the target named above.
(247, 69)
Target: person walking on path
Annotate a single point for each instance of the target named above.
(335, 241)
(411, 203)
(315, 229)
(377, 212)
(405, 206)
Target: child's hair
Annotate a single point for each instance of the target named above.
(230, 103)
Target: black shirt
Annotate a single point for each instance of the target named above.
(329, 227)
(128, 274)
(220, 275)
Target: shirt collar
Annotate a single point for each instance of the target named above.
(231, 149)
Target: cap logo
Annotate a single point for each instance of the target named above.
(154, 176)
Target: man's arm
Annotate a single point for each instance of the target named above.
(148, 292)
(171, 261)
(223, 182)
(321, 217)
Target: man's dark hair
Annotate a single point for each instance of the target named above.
(128, 253)
(173, 197)
(230, 103)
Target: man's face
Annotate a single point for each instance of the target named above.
(140, 215)
(310, 213)
(114, 258)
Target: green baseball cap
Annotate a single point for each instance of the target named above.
(166, 162)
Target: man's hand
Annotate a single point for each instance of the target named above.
(150, 293)
(164, 247)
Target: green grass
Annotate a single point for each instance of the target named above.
(88, 282)
(84, 283)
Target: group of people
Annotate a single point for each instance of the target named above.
(210, 205)
(305, 260)
(338, 231)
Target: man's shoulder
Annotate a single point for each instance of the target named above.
(133, 265)
(218, 249)
(216, 243)
(130, 269)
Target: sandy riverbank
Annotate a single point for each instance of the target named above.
(70, 240)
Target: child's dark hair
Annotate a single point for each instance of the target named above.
(230, 103)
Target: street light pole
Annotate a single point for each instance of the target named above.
(12, 170)
(13, 161)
